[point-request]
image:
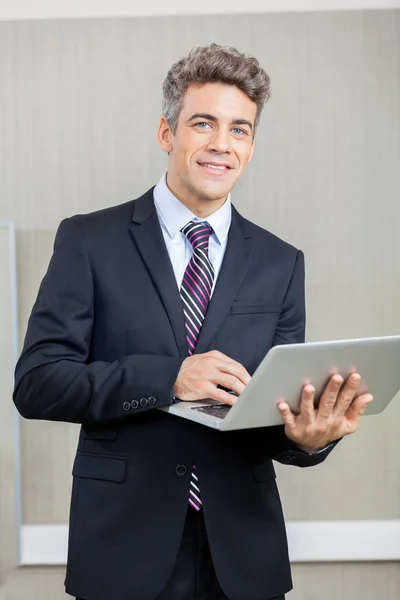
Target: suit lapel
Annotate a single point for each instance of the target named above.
(238, 253)
(148, 237)
(147, 234)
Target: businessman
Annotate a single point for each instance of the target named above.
(176, 296)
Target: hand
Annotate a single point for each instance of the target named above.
(337, 415)
(200, 375)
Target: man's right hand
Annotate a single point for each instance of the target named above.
(200, 375)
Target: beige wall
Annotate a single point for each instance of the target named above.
(79, 105)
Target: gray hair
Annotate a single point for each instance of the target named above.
(214, 64)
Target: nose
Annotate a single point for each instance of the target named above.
(220, 142)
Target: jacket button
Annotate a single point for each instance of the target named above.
(152, 400)
(126, 406)
(181, 470)
(135, 404)
(144, 402)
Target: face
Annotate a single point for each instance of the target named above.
(211, 147)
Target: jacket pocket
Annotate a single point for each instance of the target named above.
(245, 309)
(98, 466)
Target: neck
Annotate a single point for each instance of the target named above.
(202, 208)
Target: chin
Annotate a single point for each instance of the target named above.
(212, 196)
(213, 192)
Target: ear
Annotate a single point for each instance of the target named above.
(164, 135)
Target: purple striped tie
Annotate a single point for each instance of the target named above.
(196, 293)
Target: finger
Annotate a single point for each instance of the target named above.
(224, 358)
(229, 382)
(288, 417)
(347, 394)
(220, 395)
(329, 397)
(234, 368)
(357, 409)
(307, 403)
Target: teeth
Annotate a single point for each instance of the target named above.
(221, 168)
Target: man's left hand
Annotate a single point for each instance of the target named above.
(338, 413)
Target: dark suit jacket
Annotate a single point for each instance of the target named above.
(103, 348)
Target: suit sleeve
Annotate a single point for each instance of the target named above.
(54, 379)
(272, 441)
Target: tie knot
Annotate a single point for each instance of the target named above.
(198, 234)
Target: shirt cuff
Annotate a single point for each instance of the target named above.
(328, 447)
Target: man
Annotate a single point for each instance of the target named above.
(176, 296)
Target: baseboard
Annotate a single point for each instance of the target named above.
(309, 541)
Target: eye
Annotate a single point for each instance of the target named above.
(239, 131)
(202, 124)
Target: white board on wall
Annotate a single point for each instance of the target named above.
(53, 9)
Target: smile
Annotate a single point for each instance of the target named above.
(215, 168)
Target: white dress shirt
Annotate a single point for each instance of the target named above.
(173, 215)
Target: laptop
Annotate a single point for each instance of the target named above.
(287, 368)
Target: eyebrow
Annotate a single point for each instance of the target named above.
(214, 118)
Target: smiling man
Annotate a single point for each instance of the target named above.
(176, 296)
(209, 149)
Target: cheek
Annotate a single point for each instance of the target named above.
(243, 152)
(181, 160)
(246, 154)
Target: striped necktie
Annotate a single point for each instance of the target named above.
(195, 292)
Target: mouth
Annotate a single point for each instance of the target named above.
(215, 168)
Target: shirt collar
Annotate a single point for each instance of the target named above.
(174, 214)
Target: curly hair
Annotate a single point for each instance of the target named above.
(214, 64)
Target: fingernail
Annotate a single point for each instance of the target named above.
(355, 378)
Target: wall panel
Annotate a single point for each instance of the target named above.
(79, 106)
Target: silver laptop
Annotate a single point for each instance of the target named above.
(286, 369)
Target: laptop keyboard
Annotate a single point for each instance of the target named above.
(215, 410)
